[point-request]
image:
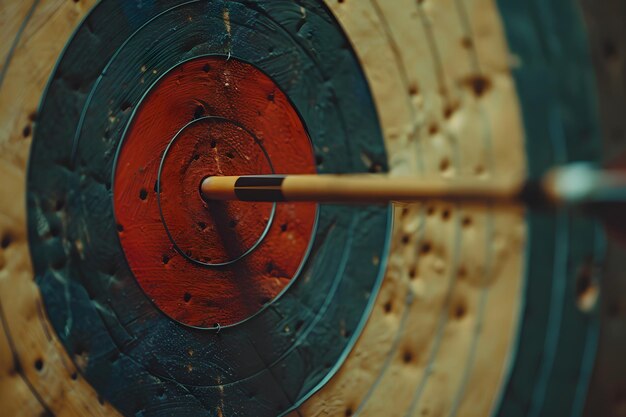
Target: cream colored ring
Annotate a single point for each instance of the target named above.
(449, 352)
(433, 122)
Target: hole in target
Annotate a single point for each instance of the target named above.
(205, 264)
(209, 145)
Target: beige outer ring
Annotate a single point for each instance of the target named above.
(32, 337)
(428, 106)
(440, 112)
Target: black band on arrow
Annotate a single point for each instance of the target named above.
(260, 181)
(252, 194)
(534, 195)
(257, 188)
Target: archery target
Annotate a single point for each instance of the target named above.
(138, 308)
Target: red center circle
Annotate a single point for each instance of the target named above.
(212, 146)
(211, 264)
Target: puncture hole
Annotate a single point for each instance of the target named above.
(6, 241)
(388, 307)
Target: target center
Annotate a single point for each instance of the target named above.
(212, 233)
(211, 264)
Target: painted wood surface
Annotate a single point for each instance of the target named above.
(478, 311)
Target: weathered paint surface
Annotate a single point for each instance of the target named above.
(133, 354)
(554, 75)
(211, 263)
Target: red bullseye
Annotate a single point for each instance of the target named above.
(209, 264)
(212, 146)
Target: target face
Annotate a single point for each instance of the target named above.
(148, 300)
(220, 263)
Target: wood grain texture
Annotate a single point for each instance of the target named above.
(442, 330)
(37, 374)
(134, 355)
(441, 112)
(259, 258)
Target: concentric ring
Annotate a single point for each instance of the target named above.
(152, 225)
(291, 347)
(257, 242)
(547, 363)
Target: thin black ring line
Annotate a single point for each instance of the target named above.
(17, 361)
(270, 221)
(434, 50)
(391, 353)
(563, 228)
(94, 87)
(346, 139)
(365, 316)
(296, 43)
(297, 342)
(591, 343)
(414, 134)
(410, 295)
(335, 285)
(490, 229)
(439, 69)
(336, 281)
(360, 327)
(118, 152)
(444, 316)
(112, 59)
(357, 332)
(441, 323)
(11, 342)
(16, 41)
(559, 279)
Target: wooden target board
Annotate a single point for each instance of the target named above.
(122, 292)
